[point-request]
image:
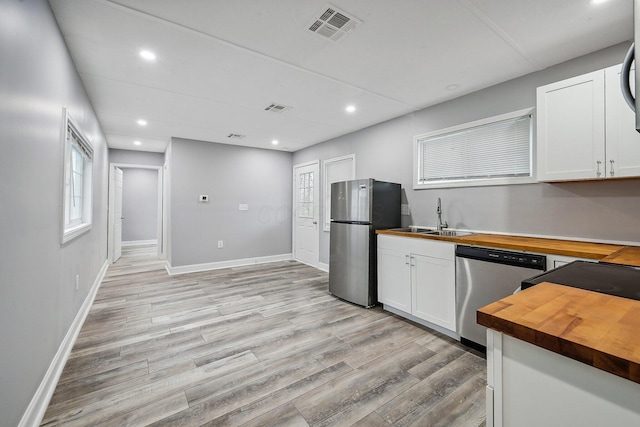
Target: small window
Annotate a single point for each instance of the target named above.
(305, 207)
(78, 185)
(493, 151)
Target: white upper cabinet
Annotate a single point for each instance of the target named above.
(622, 139)
(570, 141)
(585, 130)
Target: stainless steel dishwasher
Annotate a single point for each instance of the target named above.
(483, 276)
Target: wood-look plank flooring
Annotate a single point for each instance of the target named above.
(262, 345)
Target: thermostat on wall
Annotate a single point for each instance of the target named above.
(204, 197)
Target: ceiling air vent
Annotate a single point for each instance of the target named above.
(332, 23)
(235, 136)
(277, 108)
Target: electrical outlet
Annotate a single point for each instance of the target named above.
(243, 207)
(405, 209)
(77, 282)
(204, 198)
(220, 244)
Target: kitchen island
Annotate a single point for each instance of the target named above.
(562, 356)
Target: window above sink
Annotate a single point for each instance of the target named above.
(492, 151)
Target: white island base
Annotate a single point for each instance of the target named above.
(530, 386)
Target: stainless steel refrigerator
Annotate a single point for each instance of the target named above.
(358, 209)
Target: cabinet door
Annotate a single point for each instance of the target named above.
(394, 281)
(623, 141)
(433, 285)
(570, 125)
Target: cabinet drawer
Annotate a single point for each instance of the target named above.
(417, 245)
(394, 243)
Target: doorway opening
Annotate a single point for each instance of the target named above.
(135, 226)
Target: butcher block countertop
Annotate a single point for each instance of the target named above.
(629, 255)
(593, 328)
(570, 248)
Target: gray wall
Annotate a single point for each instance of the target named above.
(38, 300)
(593, 210)
(230, 175)
(139, 204)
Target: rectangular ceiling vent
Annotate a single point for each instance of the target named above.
(235, 136)
(332, 23)
(277, 108)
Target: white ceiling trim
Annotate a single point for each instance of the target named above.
(193, 31)
(476, 11)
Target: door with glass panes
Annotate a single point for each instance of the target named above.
(306, 213)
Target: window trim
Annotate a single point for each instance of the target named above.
(484, 182)
(73, 136)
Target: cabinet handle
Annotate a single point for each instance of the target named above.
(611, 172)
(598, 173)
(406, 260)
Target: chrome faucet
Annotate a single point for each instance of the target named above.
(440, 224)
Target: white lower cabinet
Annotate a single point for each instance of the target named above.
(433, 289)
(394, 279)
(528, 386)
(417, 277)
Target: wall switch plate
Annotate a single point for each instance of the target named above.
(220, 244)
(243, 207)
(204, 198)
(404, 209)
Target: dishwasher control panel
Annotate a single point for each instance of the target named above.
(538, 262)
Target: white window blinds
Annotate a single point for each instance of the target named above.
(76, 138)
(495, 149)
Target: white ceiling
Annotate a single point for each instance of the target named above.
(220, 63)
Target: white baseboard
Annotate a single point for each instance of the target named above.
(139, 243)
(194, 268)
(32, 417)
(322, 266)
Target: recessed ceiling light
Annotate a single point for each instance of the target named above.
(350, 108)
(137, 143)
(274, 142)
(598, 1)
(142, 122)
(148, 55)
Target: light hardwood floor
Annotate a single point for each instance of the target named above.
(263, 345)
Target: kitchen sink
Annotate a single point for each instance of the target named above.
(412, 229)
(447, 233)
(431, 231)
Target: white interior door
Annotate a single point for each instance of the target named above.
(117, 212)
(306, 213)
